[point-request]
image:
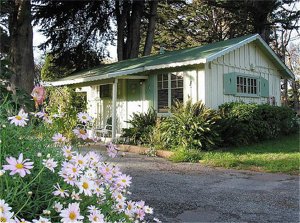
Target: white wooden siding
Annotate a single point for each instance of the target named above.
(240, 60)
(100, 109)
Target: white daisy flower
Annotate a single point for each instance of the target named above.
(71, 214)
(86, 186)
(50, 164)
(20, 119)
(84, 117)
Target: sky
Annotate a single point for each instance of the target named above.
(39, 38)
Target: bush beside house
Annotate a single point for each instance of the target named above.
(193, 126)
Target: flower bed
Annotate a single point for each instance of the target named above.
(44, 178)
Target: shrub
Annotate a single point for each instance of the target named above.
(67, 103)
(142, 125)
(242, 124)
(191, 126)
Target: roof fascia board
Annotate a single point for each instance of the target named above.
(133, 77)
(288, 72)
(93, 78)
(176, 64)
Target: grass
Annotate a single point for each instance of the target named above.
(281, 155)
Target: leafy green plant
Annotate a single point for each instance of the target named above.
(191, 126)
(64, 101)
(186, 155)
(142, 125)
(243, 124)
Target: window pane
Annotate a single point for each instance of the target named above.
(165, 85)
(177, 95)
(165, 77)
(180, 83)
(162, 98)
(173, 84)
(173, 76)
(159, 85)
(159, 77)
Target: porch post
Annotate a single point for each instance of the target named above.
(114, 109)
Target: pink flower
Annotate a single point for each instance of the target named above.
(59, 138)
(20, 119)
(19, 165)
(86, 186)
(96, 217)
(124, 180)
(4, 207)
(43, 115)
(81, 133)
(41, 220)
(67, 150)
(60, 192)
(71, 214)
(130, 208)
(111, 150)
(38, 93)
(50, 164)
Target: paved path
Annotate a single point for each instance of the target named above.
(193, 193)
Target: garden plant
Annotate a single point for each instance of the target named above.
(44, 177)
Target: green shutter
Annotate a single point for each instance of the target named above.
(264, 87)
(230, 83)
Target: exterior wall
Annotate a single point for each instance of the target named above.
(194, 85)
(129, 100)
(241, 60)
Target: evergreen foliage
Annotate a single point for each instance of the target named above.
(243, 124)
(191, 126)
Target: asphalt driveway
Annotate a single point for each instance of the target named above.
(193, 193)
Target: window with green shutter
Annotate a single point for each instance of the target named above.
(246, 85)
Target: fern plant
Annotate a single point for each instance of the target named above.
(141, 128)
(191, 126)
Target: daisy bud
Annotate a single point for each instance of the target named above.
(3, 126)
(39, 154)
(48, 155)
(47, 212)
(2, 172)
(29, 192)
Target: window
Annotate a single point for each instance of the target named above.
(106, 91)
(169, 89)
(247, 85)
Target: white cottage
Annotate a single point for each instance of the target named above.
(241, 69)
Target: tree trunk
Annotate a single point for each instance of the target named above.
(121, 14)
(134, 34)
(295, 89)
(151, 28)
(21, 49)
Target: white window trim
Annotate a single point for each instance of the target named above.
(239, 94)
(162, 114)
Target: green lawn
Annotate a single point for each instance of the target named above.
(281, 155)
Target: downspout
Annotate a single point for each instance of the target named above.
(114, 109)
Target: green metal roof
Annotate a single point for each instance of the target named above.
(183, 57)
